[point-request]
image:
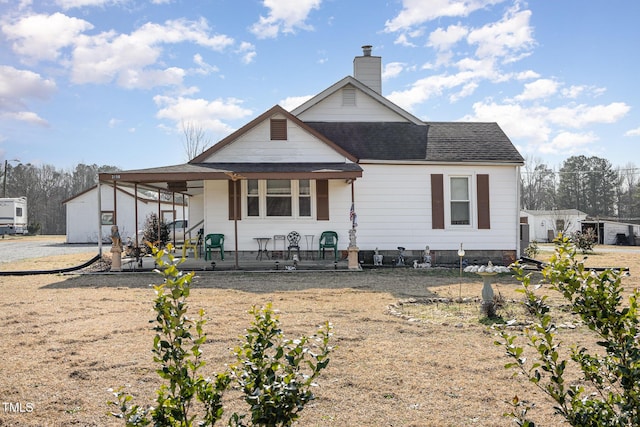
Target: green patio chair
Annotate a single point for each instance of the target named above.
(211, 242)
(328, 240)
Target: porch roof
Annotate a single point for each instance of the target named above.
(176, 177)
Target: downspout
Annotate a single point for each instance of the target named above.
(518, 235)
(135, 208)
(99, 217)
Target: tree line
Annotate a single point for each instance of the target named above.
(46, 188)
(590, 184)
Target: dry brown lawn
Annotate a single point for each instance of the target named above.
(66, 340)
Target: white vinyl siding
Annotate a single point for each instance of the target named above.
(256, 146)
(332, 109)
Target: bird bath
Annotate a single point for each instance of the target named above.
(486, 272)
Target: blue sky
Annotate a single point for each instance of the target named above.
(112, 81)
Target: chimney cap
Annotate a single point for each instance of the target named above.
(366, 50)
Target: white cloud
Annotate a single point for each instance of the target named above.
(210, 115)
(247, 51)
(203, 67)
(633, 132)
(284, 16)
(544, 129)
(569, 143)
(24, 116)
(126, 58)
(70, 4)
(17, 85)
(429, 87)
(504, 38)
(579, 116)
(541, 88)
(441, 39)
(416, 12)
(392, 69)
(40, 37)
(17, 88)
(292, 102)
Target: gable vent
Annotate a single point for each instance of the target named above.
(348, 97)
(278, 129)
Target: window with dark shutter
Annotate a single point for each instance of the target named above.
(238, 205)
(437, 201)
(278, 129)
(322, 200)
(484, 214)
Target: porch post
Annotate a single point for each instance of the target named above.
(235, 216)
(353, 248)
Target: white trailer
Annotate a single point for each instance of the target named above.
(13, 215)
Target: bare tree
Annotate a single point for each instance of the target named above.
(537, 185)
(196, 140)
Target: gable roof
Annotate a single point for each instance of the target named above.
(433, 141)
(364, 88)
(202, 158)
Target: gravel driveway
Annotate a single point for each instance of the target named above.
(14, 248)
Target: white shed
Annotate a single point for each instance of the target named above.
(544, 225)
(83, 216)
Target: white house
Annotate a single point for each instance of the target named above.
(544, 225)
(351, 154)
(85, 211)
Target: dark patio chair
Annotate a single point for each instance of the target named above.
(328, 240)
(294, 243)
(211, 242)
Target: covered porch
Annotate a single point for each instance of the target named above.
(224, 198)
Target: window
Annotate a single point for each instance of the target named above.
(253, 198)
(278, 198)
(460, 203)
(18, 211)
(278, 129)
(304, 197)
(106, 217)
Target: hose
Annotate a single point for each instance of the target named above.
(54, 271)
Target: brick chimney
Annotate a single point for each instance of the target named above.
(368, 69)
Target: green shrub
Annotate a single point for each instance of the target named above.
(34, 228)
(609, 391)
(150, 231)
(532, 250)
(176, 349)
(276, 374)
(584, 241)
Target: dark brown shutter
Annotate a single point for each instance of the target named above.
(278, 129)
(484, 217)
(238, 199)
(322, 200)
(437, 201)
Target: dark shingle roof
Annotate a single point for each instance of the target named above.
(434, 141)
(470, 142)
(376, 140)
